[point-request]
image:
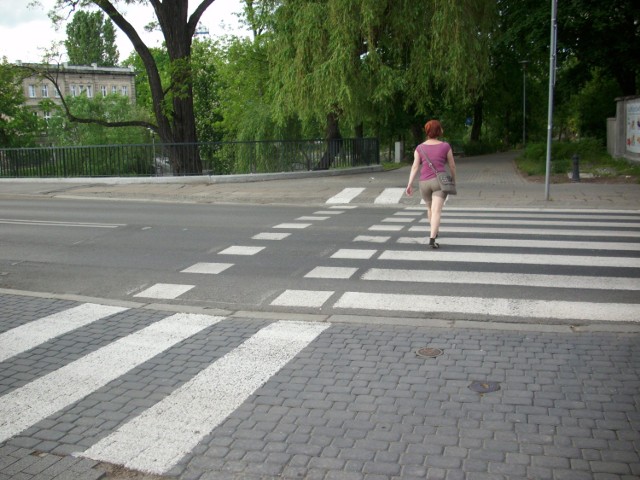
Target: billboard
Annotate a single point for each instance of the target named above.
(633, 126)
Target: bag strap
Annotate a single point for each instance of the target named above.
(423, 152)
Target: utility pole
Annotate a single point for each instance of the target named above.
(552, 81)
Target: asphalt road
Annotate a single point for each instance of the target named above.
(119, 250)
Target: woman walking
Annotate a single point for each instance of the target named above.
(437, 153)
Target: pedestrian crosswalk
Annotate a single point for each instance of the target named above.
(155, 438)
(550, 264)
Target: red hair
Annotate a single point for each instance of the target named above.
(433, 129)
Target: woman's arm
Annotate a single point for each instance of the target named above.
(415, 168)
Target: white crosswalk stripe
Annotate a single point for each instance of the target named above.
(158, 438)
(35, 401)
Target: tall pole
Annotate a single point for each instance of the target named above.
(524, 101)
(552, 81)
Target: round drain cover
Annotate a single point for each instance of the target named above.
(429, 352)
(484, 387)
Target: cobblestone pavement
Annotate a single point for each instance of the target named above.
(356, 403)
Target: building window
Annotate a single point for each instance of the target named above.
(45, 90)
(56, 93)
(103, 89)
(90, 91)
(125, 90)
(46, 115)
(114, 89)
(80, 89)
(72, 89)
(32, 91)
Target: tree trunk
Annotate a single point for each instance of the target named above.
(334, 143)
(476, 126)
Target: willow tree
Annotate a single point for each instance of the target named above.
(172, 102)
(357, 60)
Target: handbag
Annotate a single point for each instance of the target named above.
(447, 185)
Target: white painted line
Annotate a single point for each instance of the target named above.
(271, 236)
(157, 439)
(497, 242)
(32, 334)
(293, 226)
(346, 195)
(354, 253)
(371, 239)
(390, 195)
(386, 228)
(543, 210)
(240, 250)
(166, 291)
(550, 223)
(328, 212)
(519, 258)
(310, 218)
(491, 278)
(345, 207)
(25, 406)
(410, 213)
(302, 298)
(398, 220)
(331, 272)
(572, 215)
(510, 307)
(208, 268)
(547, 232)
(51, 223)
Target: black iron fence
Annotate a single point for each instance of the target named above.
(215, 158)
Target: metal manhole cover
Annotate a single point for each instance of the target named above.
(484, 387)
(429, 352)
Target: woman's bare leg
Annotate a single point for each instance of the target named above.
(435, 213)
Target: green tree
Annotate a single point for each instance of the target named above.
(172, 102)
(19, 125)
(91, 39)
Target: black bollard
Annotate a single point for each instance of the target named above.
(575, 176)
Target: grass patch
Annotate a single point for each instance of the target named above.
(593, 159)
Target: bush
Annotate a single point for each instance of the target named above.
(480, 148)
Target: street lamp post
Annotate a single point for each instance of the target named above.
(524, 101)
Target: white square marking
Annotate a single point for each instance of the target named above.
(270, 236)
(208, 268)
(331, 272)
(412, 213)
(310, 219)
(354, 253)
(293, 225)
(166, 291)
(345, 207)
(239, 250)
(371, 239)
(328, 212)
(302, 298)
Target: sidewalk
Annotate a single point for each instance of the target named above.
(489, 181)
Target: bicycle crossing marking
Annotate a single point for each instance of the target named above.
(32, 334)
(389, 196)
(158, 438)
(46, 395)
(208, 268)
(528, 231)
(165, 291)
(510, 307)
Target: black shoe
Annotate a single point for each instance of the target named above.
(433, 244)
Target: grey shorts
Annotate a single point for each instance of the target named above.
(430, 188)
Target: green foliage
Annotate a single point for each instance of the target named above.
(593, 158)
(19, 125)
(91, 39)
(112, 108)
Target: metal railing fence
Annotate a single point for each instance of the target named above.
(217, 158)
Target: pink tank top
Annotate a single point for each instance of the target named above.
(437, 154)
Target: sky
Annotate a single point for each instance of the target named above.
(25, 32)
